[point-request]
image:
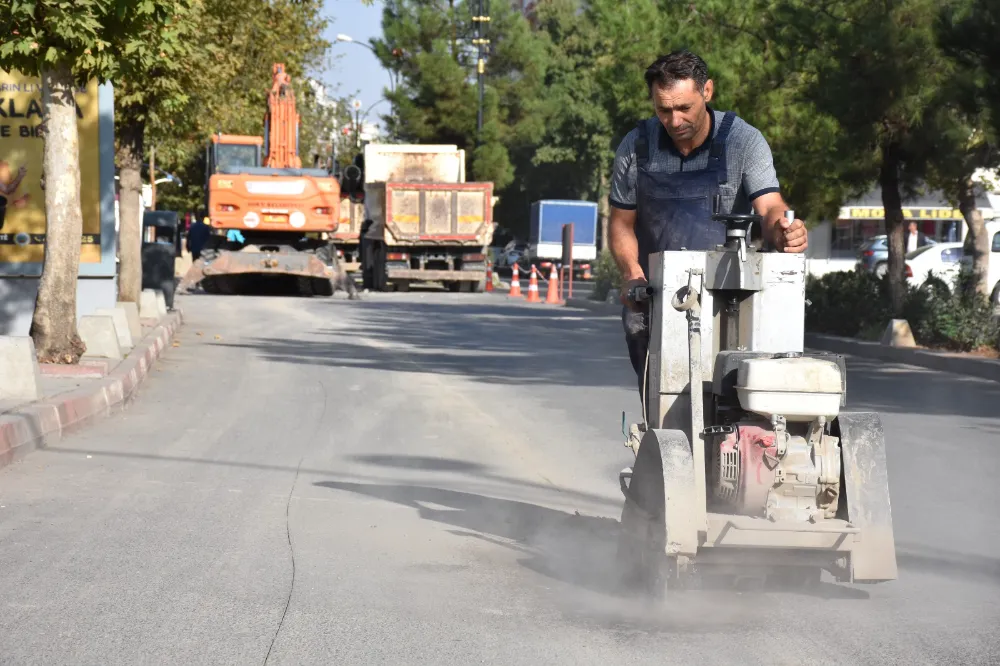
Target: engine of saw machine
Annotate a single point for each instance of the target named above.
(777, 460)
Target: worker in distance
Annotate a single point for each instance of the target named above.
(667, 173)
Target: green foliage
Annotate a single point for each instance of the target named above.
(51, 34)
(606, 275)
(155, 42)
(428, 42)
(849, 303)
(857, 304)
(227, 81)
(968, 32)
(958, 320)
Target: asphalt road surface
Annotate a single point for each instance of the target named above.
(432, 478)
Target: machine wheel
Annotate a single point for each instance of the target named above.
(881, 269)
(323, 287)
(646, 518)
(305, 286)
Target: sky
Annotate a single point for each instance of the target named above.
(357, 72)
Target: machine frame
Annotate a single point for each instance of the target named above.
(731, 305)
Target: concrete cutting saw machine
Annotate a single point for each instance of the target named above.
(746, 465)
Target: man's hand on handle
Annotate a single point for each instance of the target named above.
(790, 236)
(632, 281)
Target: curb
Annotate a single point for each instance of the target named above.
(960, 364)
(45, 421)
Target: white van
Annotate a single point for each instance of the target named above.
(993, 273)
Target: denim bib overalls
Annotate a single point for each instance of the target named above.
(674, 212)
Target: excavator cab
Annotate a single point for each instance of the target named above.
(232, 154)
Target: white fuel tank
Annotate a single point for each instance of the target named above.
(798, 388)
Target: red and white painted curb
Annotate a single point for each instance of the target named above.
(45, 421)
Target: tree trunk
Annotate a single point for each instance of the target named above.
(978, 240)
(893, 206)
(53, 324)
(129, 158)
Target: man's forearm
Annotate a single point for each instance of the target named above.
(623, 244)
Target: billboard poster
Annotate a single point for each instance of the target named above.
(22, 197)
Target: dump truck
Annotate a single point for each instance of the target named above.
(270, 218)
(423, 222)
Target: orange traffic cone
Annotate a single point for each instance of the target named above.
(533, 287)
(515, 284)
(586, 272)
(489, 276)
(552, 294)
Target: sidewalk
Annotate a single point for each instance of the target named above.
(969, 365)
(76, 395)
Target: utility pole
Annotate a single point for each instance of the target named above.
(481, 42)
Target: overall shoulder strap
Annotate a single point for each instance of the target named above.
(642, 145)
(717, 153)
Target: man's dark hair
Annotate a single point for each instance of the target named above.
(677, 66)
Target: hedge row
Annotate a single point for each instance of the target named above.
(856, 304)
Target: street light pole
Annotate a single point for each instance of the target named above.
(481, 42)
(347, 39)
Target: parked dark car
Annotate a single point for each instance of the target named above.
(873, 255)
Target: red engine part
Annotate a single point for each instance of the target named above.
(745, 472)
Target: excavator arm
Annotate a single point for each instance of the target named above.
(281, 123)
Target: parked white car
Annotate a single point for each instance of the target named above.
(944, 260)
(993, 274)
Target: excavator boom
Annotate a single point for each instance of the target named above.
(281, 124)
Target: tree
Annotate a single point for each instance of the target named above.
(872, 68)
(429, 43)
(968, 30)
(155, 41)
(230, 77)
(65, 45)
(563, 149)
(970, 115)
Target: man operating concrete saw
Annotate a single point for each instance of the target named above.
(667, 173)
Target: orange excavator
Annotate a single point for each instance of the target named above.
(271, 219)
